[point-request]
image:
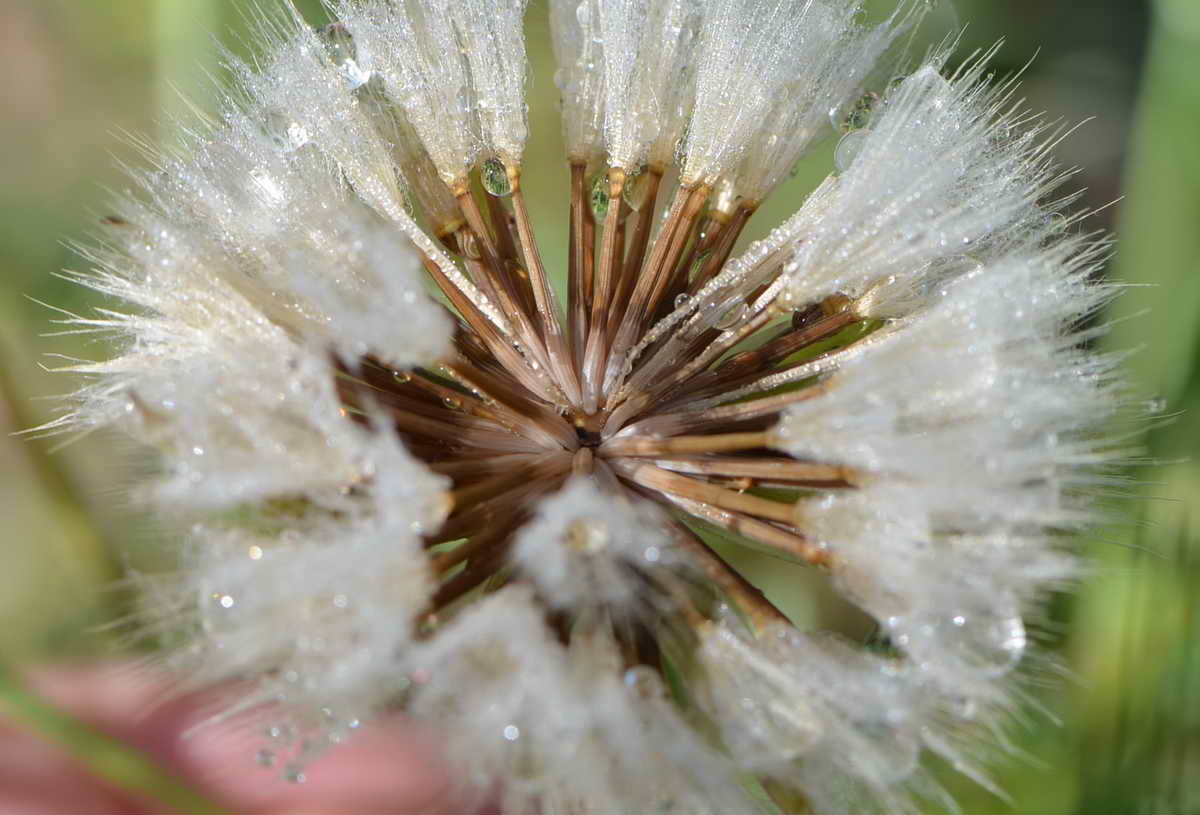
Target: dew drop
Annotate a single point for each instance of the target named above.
(583, 13)
(644, 681)
(632, 192)
(402, 377)
(265, 757)
(452, 402)
(966, 707)
(281, 733)
(294, 773)
(1011, 640)
(682, 300)
(587, 535)
(989, 640)
(848, 148)
(732, 317)
(287, 133)
(512, 732)
(859, 113)
(339, 42)
(599, 197)
(495, 179)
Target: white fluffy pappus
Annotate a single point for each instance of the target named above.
(309, 601)
(842, 54)
(588, 549)
(529, 712)
(578, 51)
(850, 729)
(745, 55)
(948, 171)
(968, 462)
(992, 422)
(424, 73)
(648, 56)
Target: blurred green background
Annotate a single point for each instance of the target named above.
(76, 74)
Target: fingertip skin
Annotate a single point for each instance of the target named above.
(389, 768)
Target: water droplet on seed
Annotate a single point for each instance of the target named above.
(848, 148)
(859, 113)
(644, 681)
(599, 197)
(494, 176)
(339, 42)
(631, 193)
(587, 535)
(732, 317)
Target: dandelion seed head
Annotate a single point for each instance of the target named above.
(397, 473)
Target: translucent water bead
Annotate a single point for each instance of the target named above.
(588, 536)
(848, 148)
(494, 177)
(731, 318)
(599, 196)
(287, 133)
(857, 114)
(339, 44)
(644, 682)
(634, 191)
(991, 641)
